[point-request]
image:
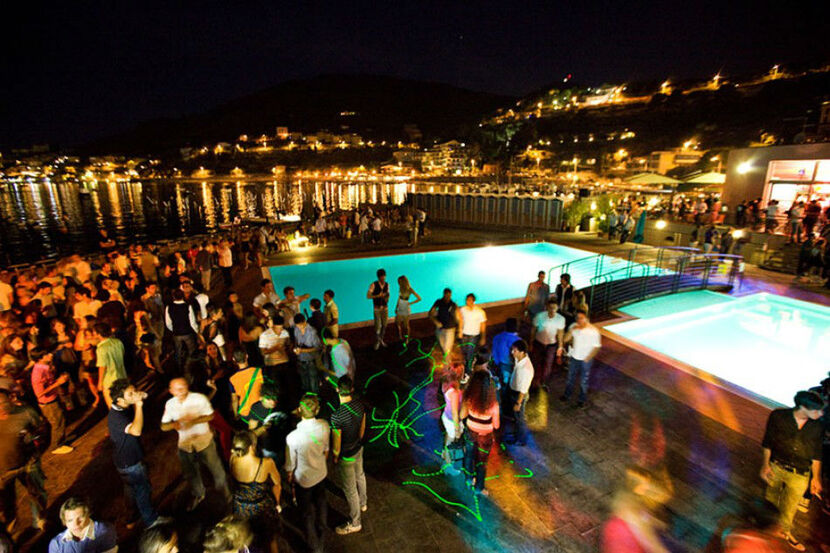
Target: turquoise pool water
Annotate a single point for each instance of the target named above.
(493, 273)
(666, 305)
(770, 345)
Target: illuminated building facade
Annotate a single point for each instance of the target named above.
(785, 173)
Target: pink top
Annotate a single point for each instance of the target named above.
(483, 423)
(617, 537)
(43, 376)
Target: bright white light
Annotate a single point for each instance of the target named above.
(744, 168)
(593, 206)
(660, 225)
(737, 234)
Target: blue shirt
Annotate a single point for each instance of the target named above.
(501, 347)
(307, 339)
(100, 538)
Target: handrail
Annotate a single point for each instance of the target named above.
(693, 270)
(597, 257)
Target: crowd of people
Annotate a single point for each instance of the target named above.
(246, 385)
(368, 225)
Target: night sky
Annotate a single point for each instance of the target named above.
(81, 70)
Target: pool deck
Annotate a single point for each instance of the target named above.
(576, 457)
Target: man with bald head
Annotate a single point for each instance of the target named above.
(189, 413)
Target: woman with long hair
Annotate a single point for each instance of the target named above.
(249, 333)
(213, 327)
(232, 534)
(160, 538)
(257, 490)
(450, 416)
(403, 308)
(147, 342)
(578, 302)
(481, 410)
(14, 357)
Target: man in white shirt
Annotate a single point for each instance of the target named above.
(342, 358)
(225, 260)
(473, 330)
(267, 295)
(520, 382)
(377, 225)
(585, 343)
(546, 337)
(189, 413)
(84, 305)
(306, 450)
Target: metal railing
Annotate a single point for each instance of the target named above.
(691, 271)
(624, 259)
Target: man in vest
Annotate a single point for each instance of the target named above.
(379, 294)
(180, 320)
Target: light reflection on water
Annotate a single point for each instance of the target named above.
(48, 219)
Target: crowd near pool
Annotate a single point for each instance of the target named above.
(492, 273)
(769, 345)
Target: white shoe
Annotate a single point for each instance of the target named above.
(364, 508)
(348, 528)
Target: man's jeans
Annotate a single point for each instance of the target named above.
(784, 491)
(209, 458)
(205, 274)
(468, 349)
(476, 456)
(519, 419)
(54, 414)
(578, 370)
(446, 339)
(185, 346)
(505, 372)
(137, 490)
(313, 506)
(545, 357)
(353, 482)
(308, 375)
(381, 315)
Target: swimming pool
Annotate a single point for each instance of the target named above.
(492, 273)
(769, 345)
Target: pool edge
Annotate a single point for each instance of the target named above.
(728, 404)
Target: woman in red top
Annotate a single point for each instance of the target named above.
(481, 411)
(633, 526)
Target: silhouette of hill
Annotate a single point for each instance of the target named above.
(376, 107)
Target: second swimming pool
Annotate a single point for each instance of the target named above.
(769, 345)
